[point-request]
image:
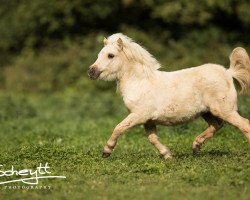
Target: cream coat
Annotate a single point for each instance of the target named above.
(168, 98)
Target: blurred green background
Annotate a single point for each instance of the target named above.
(47, 46)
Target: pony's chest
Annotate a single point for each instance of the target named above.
(135, 97)
(132, 102)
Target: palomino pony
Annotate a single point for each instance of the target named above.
(155, 97)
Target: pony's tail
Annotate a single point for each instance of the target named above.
(240, 68)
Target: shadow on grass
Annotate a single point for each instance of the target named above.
(153, 156)
(211, 153)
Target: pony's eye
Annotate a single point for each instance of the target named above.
(110, 55)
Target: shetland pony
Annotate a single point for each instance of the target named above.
(155, 97)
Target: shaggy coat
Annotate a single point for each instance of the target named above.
(155, 97)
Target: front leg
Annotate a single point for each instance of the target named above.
(131, 120)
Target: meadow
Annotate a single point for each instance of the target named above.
(68, 130)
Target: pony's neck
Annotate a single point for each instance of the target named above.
(133, 75)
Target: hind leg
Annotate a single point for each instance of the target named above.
(214, 124)
(241, 123)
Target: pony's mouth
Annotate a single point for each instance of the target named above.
(94, 73)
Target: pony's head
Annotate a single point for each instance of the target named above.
(120, 55)
(109, 61)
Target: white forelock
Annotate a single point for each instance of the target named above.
(135, 52)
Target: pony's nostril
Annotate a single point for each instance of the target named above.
(91, 72)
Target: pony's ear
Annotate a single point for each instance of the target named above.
(105, 41)
(120, 43)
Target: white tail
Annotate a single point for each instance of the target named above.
(240, 67)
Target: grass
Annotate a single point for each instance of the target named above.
(69, 130)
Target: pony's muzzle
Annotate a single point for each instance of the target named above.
(93, 73)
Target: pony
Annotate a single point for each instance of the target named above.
(155, 97)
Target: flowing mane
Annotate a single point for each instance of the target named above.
(135, 52)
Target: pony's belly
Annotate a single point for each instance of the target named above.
(178, 117)
(175, 120)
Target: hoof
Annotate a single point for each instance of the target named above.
(196, 148)
(195, 152)
(105, 155)
(167, 157)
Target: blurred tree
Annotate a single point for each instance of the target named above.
(32, 23)
(35, 27)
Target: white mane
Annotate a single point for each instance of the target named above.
(135, 52)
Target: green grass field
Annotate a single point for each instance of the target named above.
(68, 131)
